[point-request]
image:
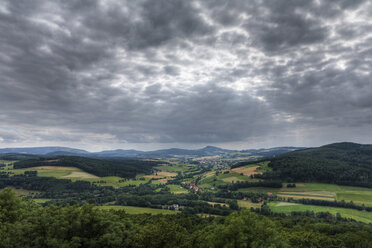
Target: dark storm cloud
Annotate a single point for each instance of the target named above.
(182, 71)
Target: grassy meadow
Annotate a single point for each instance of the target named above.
(74, 174)
(285, 207)
(320, 191)
(177, 189)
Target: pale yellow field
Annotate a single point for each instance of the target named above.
(167, 174)
(247, 171)
(61, 172)
(59, 168)
(216, 203)
(207, 157)
(162, 174)
(152, 176)
(285, 204)
(210, 174)
(159, 181)
(80, 174)
(248, 204)
(320, 195)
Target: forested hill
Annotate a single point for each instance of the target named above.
(98, 167)
(341, 163)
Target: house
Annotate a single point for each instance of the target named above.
(269, 194)
(192, 186)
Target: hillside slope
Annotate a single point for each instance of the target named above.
(98, 167)
(341, 163)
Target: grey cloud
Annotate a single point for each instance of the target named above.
(215, 114)
(284, 26)
(8, 136)
(171, 70)
(182, 71)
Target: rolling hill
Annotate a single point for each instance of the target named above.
(163, 153)
(340, 163)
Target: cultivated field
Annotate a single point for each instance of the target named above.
(50, 171)
(248, 204)
(358, 197)
(73, 173)
(80, 175)
(248, 170)
(319, 191)
(177, 189)
(174, 167)
(284, 207)
(218, 203)
(211, 180)
(321, 195)
(161, 174)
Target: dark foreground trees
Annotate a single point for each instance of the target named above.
(26, 224)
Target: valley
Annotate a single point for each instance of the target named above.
(206, 180)
(207, 187)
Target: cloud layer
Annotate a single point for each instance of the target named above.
(174, 71)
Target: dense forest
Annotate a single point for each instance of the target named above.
(340, 163)
(99, 167)
(26, 224)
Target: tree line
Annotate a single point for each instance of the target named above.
(99, 167)
(26, 224)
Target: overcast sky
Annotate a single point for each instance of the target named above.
(148, 74)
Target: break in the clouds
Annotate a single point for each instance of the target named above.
(117, 73)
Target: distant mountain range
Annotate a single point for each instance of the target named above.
(172, 152)
(43, 150)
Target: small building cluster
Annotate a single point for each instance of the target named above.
(192, 186)
(269, 194)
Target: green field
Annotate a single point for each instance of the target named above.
(41, 201)
(320, 191)
(248, 204)
(6, 162)
(117, 182)
(358, 197)
(138, 210)
(177, 189)
(210, 181)
(284, 207)
(57, 172)
(75, 174)
(174, 167)
(233, 177)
